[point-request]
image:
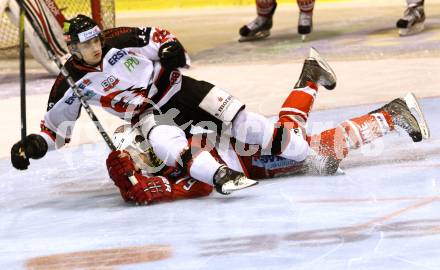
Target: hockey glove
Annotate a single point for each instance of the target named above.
(33, 146)
(172, 55)
(147, 190)
(150, 189)
(119, 165)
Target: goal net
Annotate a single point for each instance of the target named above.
(102, 11)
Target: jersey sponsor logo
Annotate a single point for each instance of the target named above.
(70, 99)
(89, 34)
(109, 83)
(89, 94)
(131, 63)
(273, 162)
(223, 105)
(84, 83)
(116, 57)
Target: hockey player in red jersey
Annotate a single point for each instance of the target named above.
(260, 27)
(158, 182)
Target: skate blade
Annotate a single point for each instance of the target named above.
(258, 36)
(413, 104)
(230, 186)
(415, 29)
(303, 38)
(340, 172)
(322, 63)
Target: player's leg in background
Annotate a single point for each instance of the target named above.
(297, 106)
(259, 28)
(287, 138)
(305, 20)
(413, 20)
(359, 131)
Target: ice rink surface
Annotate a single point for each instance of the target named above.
(382, 213)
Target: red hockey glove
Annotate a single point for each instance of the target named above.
(150, 189)
(119, 165)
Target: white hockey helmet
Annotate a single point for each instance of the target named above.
(131, 139)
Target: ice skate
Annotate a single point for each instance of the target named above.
(400, 110)
(316, 70)
(320, 164)
(413, 20)
(227, 180)
(305, 24)
(257, 29)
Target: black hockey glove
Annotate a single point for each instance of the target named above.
(172, 55)
(33, 146)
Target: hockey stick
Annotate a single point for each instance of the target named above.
(22, 72)
(77, 92)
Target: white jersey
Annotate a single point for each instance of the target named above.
(129, 81)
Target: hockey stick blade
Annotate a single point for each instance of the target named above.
(413, 104)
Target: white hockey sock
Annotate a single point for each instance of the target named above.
(168, 143)
(203, 167)
(297, 147)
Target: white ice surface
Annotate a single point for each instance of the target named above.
(383, 213)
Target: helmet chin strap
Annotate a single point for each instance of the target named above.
(75, 52)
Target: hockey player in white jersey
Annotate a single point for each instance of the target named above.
(132, 73)
(260, 27)
(413, 20)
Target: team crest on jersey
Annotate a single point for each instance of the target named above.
(109, 83)
(175, 77)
